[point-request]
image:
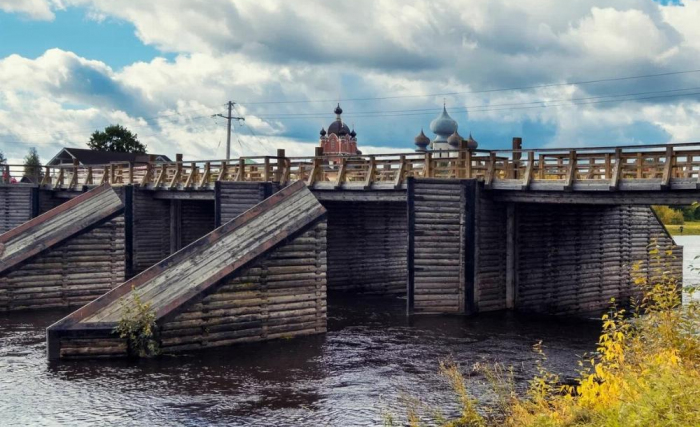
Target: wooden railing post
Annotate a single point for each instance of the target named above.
(371, 169)
(571, 172)
(192, 176)
(223, 171)
(640, 170)
(74, 179)
(280, 164)
(131, 173)
(205, 175)
(316, 169)
(178, 171)
(112, 173)
(44, 181)
(88, 178)
(427, 168)
(617, 170)
(541, 165)
(241, 169)
(147, 174)
(668, 168)
(398, 179)
(517, 155)
(527, 178)
(266, 172)
(491, 171)
(468, 165)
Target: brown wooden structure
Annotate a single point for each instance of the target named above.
(259, 276)
(548, 231)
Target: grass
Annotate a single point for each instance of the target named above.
(645, 372)
(689, 229)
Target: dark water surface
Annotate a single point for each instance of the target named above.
(371, 355)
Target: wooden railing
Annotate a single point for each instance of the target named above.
(591, 168)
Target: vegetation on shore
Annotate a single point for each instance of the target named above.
(645, 372)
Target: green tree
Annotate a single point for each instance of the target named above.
(116, 138)
(32, 166)
(668, 216)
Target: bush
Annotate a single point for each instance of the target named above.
(645, 372)
(138, 325)
(668, 215)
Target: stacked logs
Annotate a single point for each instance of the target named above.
(283, 294)
(237, 197)
(439, 216)
(573, 260)
(15, 206)
(151, 232)
(490, 255)
(197, 219)
(367, 247)
(69, 274)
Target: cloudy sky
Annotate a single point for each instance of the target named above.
(557, 73)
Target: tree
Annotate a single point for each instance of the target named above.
(3, 159)
(116, 138)
(32, 166)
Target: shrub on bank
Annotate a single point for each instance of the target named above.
(645, 372)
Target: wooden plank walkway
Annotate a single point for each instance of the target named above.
(58, 224)
(192, 271)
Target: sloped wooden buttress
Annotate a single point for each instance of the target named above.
(259, 276)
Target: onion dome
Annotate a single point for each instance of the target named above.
(471, 142)
(353, 133)
(454, 140)
(338, 127)
(443, 126)
(338, 110)
(323, 132)
(421, 142)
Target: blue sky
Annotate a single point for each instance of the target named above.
(163, 68)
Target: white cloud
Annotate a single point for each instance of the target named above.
(281, 50)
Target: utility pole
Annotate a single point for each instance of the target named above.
(228, 118)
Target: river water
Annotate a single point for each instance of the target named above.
(370, 359)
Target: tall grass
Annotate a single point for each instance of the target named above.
(645, 372)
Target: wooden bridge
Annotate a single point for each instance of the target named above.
(636, 168)
(554, 231)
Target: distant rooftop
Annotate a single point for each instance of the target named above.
(92, 157)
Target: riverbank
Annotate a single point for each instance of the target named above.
(689, 229)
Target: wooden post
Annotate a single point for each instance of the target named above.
(241, 169)
(527, 178)
(517, 155)
(617, 170)
(316, 169)
(161, 176)
(608, 168)
(191, 177)
(491, 172)
(398, 179)
(427, 168)
(47, 175)
(222, 171)
(131, 173)
(668, 168)
(571, 172)
(640, 171)
(370, 173)
(178, 172)
(541, 165)
(510, 255)
(88, 178)
(112, 173)
(341, 172)
(266, 172)
(205, 175)
(74, 179)
(280, 164)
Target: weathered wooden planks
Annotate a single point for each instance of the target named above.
(573, 259)
(46, 230)
(151, 232)
(238, 197)
(195, 272)
(438, 230)
(16, 205)
(491, 251)
(367, 247)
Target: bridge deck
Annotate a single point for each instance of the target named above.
(628, 168)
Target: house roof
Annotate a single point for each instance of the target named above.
(92, 157)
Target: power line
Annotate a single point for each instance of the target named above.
(612, 79)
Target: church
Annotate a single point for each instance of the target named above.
(339, 139)
(446, 136)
